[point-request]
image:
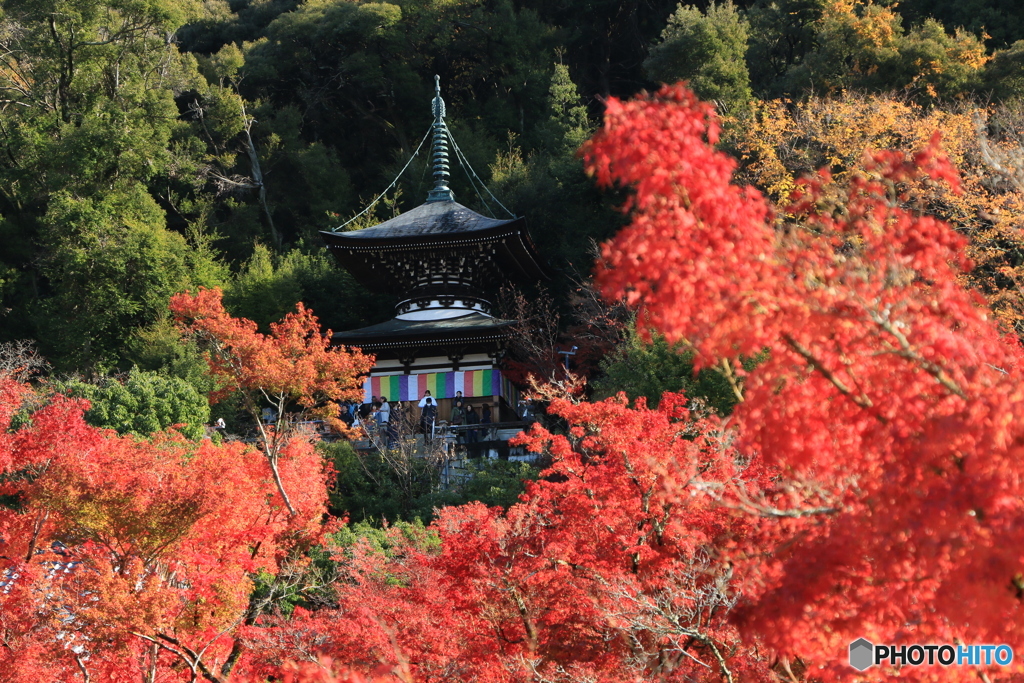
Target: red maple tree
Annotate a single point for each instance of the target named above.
(602, 572)
(293, 366)
(889, 404)
(125, 558)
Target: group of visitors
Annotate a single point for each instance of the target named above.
(465, 414)
(375, 417)
(379, 418)
(461, 414)
(376, 412)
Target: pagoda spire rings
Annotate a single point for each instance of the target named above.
(441, 192)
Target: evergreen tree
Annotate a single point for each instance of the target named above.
(1001, 20)
(648, 369)
(707, 49)
(548, 185)
(859, 44)
(141, 403)
(92, 139)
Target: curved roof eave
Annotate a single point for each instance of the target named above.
(426, 220)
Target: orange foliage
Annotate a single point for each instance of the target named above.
(125, 555)
(295, 360)
(294, 365)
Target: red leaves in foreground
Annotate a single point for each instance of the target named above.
(686, 216)
(889, 403)
(125, 558)
(602, 572)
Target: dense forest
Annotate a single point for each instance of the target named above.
(155, 146)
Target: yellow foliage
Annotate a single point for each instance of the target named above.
(874, 25)
(783, 141)
(969, 50)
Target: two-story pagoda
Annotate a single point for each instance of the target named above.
(446, 262)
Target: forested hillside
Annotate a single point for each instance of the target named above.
(152, 146)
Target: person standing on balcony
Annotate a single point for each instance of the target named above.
(427, 418)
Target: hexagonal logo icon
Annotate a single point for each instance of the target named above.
(862, 654)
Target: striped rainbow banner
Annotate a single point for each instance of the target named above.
(471, 383)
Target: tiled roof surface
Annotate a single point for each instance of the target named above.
(471, 323)
(432, 218)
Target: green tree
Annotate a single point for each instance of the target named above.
(937, 62)
(860, 44)
(782, 32)
(568, 125)
(649, 369)
(273, 185)
(412, 534)
(161, 348)
(227, 23)
(541, 177)
(1001, 20)
(492, 59)
(605, 41)
(93, 147)
(113, 266)
(268, 285)
(707, 49)
(494, 482)
(141, 403)
(1004, 75)
(371, 488)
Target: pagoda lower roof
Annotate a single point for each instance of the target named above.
(396, 333)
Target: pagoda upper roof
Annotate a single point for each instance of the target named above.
(440, 250)
(430, 222)
(473, 326)
(385, 256)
